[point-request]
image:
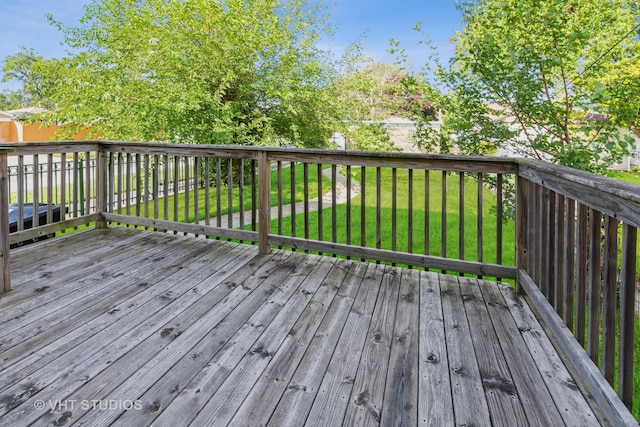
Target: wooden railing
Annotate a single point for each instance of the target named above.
(567, 238)
(578, 264)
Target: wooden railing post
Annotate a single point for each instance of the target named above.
(522, 228)
(5, 261)
(264, 202)
(101, 187)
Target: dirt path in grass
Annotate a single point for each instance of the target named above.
(341, 197)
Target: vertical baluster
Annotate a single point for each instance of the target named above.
(480, 220)
(207, 191)
(334, 213)
(499, 219)
(320, 204)
(177, 160)
(609, 302)
(363, 207)
(63, 187)
(254, 196)
(280, 191)
(230, 193)
(138, 176)
(156, 185)
(147, 185)
(427, 209)
(627, 316)
(410, 213)
(88, 183)
(196, 191)
(127, 185)
(50, 186)
(219, 192)
(111, 189)
(394, 209)
(595, 251)
(551, 248)
(119, 186)
(22, 178)
(461, 217)
(348, 225)
(378, 208)
(76, 184)
(165, 185)
(292, 186)
(443, 221)
(187, 192)
(305, 174)
(558, 298)
(36, 191)
(569, 263)
(581, 272)
(241, 194)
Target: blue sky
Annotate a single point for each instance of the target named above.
(24, 24)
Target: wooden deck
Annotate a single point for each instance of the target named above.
(181, 331)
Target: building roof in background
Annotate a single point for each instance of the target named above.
(23, 112)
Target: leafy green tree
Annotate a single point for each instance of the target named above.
(205, 71)
(555, 80)
(24, 68)
(381, 90)
(376, 92)
(10, 100)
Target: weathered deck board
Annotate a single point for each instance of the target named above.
(469, 402)
(211, 333)
(435, 406)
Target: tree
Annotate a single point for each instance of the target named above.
(205, 71)
(24, 68)
(381, 90)
(556, 80)
(377, 92)
(10, 100)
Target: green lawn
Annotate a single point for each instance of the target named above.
(632, 177)
(298, 194)
(434, 218)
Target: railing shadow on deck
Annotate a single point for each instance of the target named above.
(568, 239)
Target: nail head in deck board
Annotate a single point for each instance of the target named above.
(469, 402)
(435, 406)
(367, 396)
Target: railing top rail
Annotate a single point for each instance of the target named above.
(31, 148)
(328, 156)
(615, 198)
